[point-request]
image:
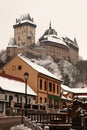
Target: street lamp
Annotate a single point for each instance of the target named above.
(26, 75)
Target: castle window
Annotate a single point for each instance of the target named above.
(19, 67)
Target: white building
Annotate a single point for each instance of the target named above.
(12, 94)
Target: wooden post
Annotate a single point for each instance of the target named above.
(22, 105)
(31, 106)
(38, 107)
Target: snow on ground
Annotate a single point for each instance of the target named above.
(50, 65)
(69, 69)
(59, 69)
(20, 127)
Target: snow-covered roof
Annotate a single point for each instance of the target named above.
(12, 85)
(69, 41)
(63, 97)
(53, 38)
(25, 18)
(79, 90)
(65, 93)
(37, 67)
(66, 98)
(81, 96)
(12, 42)
(66, 88)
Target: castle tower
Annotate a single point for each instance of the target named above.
(53, 44)
(24, 31)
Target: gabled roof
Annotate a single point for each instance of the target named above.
(14, 84)
(37, 67)
(66, 88)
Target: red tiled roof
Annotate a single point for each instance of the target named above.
(11, 77)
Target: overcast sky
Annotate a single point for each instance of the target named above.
(68, 18)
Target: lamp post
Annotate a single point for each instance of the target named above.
(26, 75)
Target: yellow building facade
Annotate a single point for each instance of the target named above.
(44, 83)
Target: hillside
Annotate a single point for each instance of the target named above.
(62, 69)
(82, 66)
(71, 75)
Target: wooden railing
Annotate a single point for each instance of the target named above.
(49, 118)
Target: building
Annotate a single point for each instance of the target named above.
(12, 95)
(55, 47)
(24, 36)
(67, 96)
(73, 49)
(80, 93)
(44, 83)
(49, 43)
(59, 48)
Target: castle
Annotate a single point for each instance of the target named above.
(49, 43)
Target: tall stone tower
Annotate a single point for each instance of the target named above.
(24, 31)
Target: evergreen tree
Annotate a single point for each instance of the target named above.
(66, 80)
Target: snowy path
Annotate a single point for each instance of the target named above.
(20, 127)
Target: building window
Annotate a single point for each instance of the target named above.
(57, 89)
(1, 106)
(19, 67)
(53, 88)
(20, 99)
(50, 103)
(17, 99)
(10, 98)
(45, 85)
(40, 83)
(5, 97)
(50, 86)
(29, 100)
(18, 44)
(45, 100)
(40, 99)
